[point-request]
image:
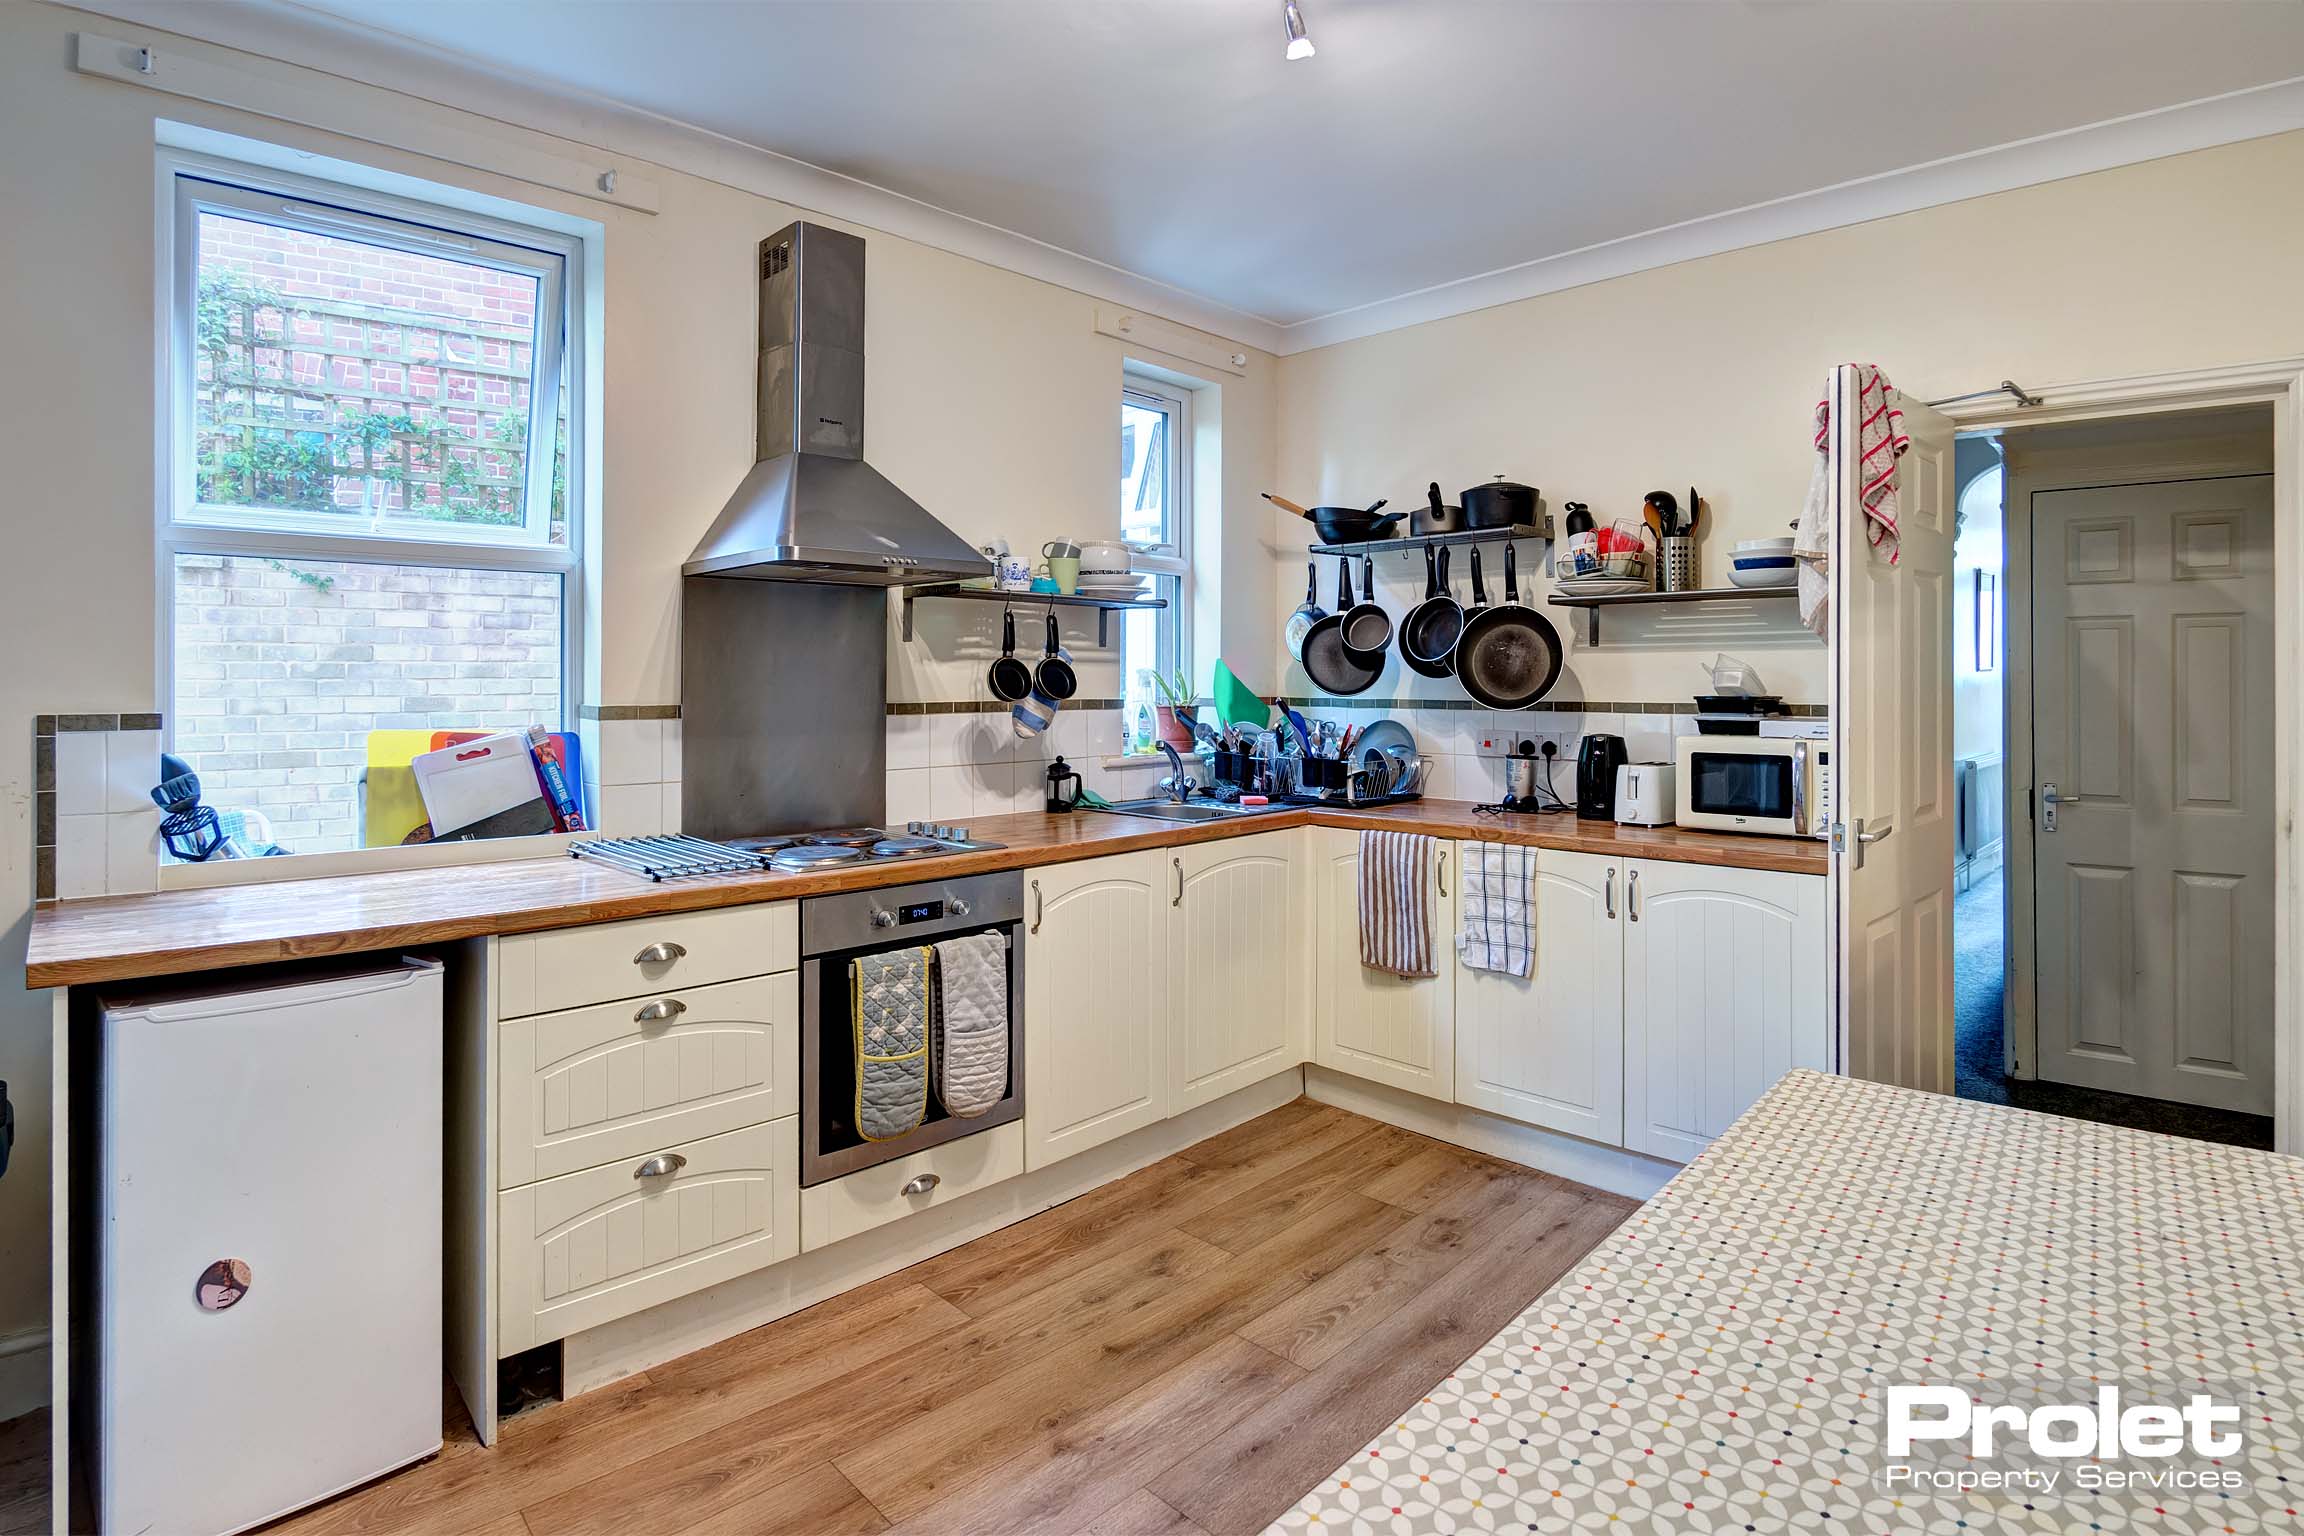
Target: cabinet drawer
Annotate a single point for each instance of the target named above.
(875, 1196)
(600, 1084)
(581, 1250)
(571, 967)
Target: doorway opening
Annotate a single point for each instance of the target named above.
(2114, 771)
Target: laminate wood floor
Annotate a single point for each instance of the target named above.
(1188, 1349)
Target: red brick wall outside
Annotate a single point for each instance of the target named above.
(304, 334)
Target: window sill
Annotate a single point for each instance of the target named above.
(363, 861)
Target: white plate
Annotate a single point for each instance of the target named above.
(1601, 586)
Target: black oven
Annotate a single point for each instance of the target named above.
(835, 930)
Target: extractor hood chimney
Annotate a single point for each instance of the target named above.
(812, 509)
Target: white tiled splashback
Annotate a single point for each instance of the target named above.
(1450, 741)
(107, 828)
(632, 776)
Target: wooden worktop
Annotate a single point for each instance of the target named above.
(170, 932)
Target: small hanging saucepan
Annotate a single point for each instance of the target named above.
(1307, 614)
(1054, 676)
(1009, 678)
(1367, 628)
(1428, 631)
(1326, 662)
(1509, 655)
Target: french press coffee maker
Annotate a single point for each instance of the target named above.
(1059, 799)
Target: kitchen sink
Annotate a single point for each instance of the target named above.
(1161, 808)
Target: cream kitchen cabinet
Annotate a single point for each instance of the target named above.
(1548, 1049)
(1726, 988)
(1388, 1029)
(1238, 1004)
(1096, 1010)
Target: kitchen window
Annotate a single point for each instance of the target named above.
(1156, 520)
(368, 537)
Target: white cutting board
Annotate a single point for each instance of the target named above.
(474, 780)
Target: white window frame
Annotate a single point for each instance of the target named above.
(189, 182)
(1171, 559)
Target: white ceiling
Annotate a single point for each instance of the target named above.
(1428, 142)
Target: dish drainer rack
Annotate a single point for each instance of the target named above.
(669, 858)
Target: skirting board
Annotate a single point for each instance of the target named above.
(1569, 1157)
(595, 1358)
(23, 1372)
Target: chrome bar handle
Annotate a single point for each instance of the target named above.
(1800, 788)
(1443, 874)
(1632, 895)
(1177, 900)
(661, 1164)
(1039, 907)
(662, 952)
(1610, 894)
(663, 1010)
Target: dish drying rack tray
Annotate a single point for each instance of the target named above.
(669, 858)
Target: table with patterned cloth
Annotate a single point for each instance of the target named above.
(1721, 1362)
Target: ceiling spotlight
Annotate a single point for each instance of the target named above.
(1299, 42)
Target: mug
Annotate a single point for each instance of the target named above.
(1063, 571)
(1014, 573)
(1060, 549)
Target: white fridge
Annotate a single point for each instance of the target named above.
(269, 1246)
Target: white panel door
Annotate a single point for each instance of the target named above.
(1372, 1024)
(2152, 711)
(1892, 754)
(1724, 992)
(1549, 1049)
(1095, 1002)
(1239, 1008)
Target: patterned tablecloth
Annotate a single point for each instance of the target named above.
(1721, 1362)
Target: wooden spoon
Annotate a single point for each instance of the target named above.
(1285, 505)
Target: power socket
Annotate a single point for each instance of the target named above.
(1509, 744)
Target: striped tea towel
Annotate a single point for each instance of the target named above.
(1498, 931)
(1881, 441)
(1396, 903)
(971, 1061)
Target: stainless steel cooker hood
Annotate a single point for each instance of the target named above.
(812, 509)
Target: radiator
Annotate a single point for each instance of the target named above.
(1980, 789)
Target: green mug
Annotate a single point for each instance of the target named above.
(1064, 570)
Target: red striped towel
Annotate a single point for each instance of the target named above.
(1396, 903)
(1881, 441)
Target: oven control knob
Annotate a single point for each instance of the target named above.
(883, 918)
(955, 834)
(916, 828)
(958, 907)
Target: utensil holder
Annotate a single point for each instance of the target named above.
(1679, 572)
(1324, 773)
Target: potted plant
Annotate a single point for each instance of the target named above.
(1174, 714)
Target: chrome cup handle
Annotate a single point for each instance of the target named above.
(661, 1164)
(659, 1011)
(662, 952)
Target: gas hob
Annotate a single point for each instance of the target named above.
(680, 858)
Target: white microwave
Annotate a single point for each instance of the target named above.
(1754, 784)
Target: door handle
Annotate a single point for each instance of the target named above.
(661, 1164)
(1610, 895)
(2050, 799)
(1863, 839)
(659, 1011)
(662, 952)
(1632, 895)
(1039, 907)
(1443, 874)
(1177, 900)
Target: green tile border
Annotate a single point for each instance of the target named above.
(628, 711)
(898, 708)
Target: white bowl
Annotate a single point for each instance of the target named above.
(1762, 578)
(1762, 546)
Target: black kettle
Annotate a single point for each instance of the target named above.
(1059, 800)
(1596, 763)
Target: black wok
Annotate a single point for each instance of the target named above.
(1343, 525)
(1428, 631)
(1508, 656)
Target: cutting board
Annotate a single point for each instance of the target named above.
(482, 788)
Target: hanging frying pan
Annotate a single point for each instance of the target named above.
(1326, 661)
(1508, 656)
(1428, 631)
(1308, 614)
(1367, 628)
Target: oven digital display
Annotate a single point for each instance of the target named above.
(920, 912)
